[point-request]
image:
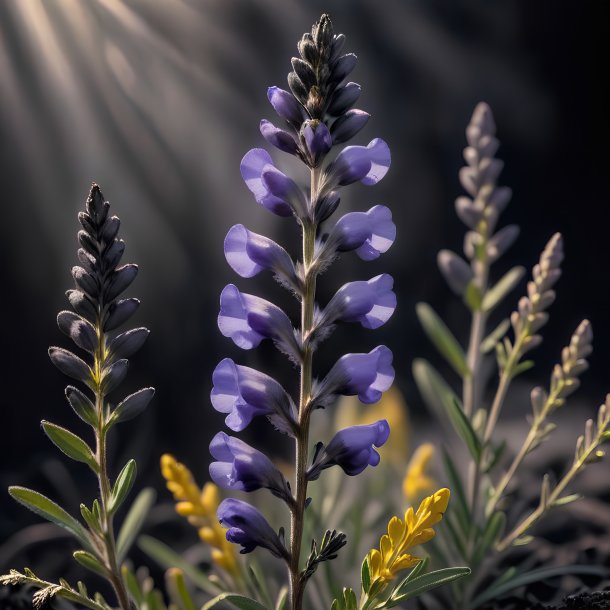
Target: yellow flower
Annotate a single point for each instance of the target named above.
(199, 507)
(391, 557)
(417, 482)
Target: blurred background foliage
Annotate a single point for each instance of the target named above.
(158, 102)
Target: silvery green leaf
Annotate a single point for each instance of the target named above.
(133, 522)
(113, 375)
(239, 601)
(127, 343)
(122, 486)
(495, 336)
(50, 511)
(457, 490)
(72, 445)
(81, 405)
(132, 406)
(442, 338)
(120, 281)
(78, 329)
(119, 312)
(282, 599)
(70, 364)
(425, 583)
(89, 561)
(90, 519)
(464, 429)
(495, 295)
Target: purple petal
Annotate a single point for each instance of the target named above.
(233, 319)
(278, 137)
(285, 189)
(369, 164)
(286, 105)
(317, 140)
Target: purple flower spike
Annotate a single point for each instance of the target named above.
(286, 105)
(317, 140)
(244, 393)
(248, 528)
(369, 164)
(247, 320)
(351, 449)
(249, 253)
(278, 137)
(285, 189)
(365, 375)
(252, 166)
(371, 303)
(369, 233)
(243, 468)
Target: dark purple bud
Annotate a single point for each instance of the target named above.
(468, 211)
(278, 137)
(133, 405)
(113, 255)
(369, 233)
(244, 393)
(368, 164)
(249, 253)
(286, 105)
(110, 228)
(128, 343)
(344, 98)
(70, 364)
(81, 405)
(342, 67)
(352, 449)
(285, 189)
(317, 140)
(113, 375)
(455, 270)
(243, 468)
(364, 375)
(78, 329)
(326, 205)
(348, 125)
(252, 166)
(248, 319)
(119, 312)
(248, 528)
(85, 281)
(304, 71)
(120, 281)
(82, 304)
(371, 303)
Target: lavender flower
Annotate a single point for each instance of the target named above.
(351, 449)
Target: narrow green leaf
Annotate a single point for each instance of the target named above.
(365, 575)
(457, 491)
(567, 500)
(456, 534)
(494, 296)
(72, 445)
(122, 485)
(464, 429)
(89, 561)
(133, 586)
(472, 296)
(90, 519)
(47, 509)
(495, 336)
(425, 583)
(526, 365)
(177, 587)
(416, 571)
(433, 388)
(259, 583)
(134, 521)
(442, 338)
(523, 540)
(493, 530)
(282, 599)
(168, 558)
(496, 590)
(239, 601)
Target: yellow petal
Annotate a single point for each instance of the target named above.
(396, 530)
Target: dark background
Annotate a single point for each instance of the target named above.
(158, 102)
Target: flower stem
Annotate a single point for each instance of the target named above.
(297, 586)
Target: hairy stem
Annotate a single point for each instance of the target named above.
(297, 586)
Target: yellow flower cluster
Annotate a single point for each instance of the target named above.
(391, 557)
(417, 482)
(199, 507)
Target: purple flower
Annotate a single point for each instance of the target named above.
(243, 468)
(365, 375)
(351, 449)
(247, 320)
(371, 303)
(286, 105)
(244, 393)
(278, 137)
(248, 528)
(249, 253)
(369, 233)
(317, 140)
(369, 164)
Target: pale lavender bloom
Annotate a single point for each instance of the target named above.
(249, 253)
(244, 393)
(352, 449)
(248, 528)
(369, 233)
(243, 468)
(285, 189)
(317, 140)
(364, 375)
(248, 319)
(286, 105)
(279, 138)
(368, 164)
(371, 303)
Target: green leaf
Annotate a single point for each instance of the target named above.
(133, 586)
(134, 521)
(496, 590)
(494, 296)
(47, 509)
(89, 561)
(443, 339)
(493, 530)
(90, 519)
(178, 590)
(168, 558)
(567, 500)
(464, 429)
(495, 336)
(415, 572)
(457, 491)
(433, 388)
(260, 585)
(282, 599)
(472, 296)
(425, 583)
(122, 485)
(365, 575)
(526, 365)
(72, 445)
(239, 601)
